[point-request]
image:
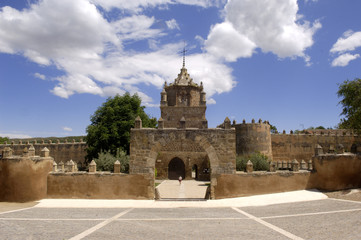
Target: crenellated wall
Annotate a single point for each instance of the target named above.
(61, 152)
(24, 177)
(301, 146)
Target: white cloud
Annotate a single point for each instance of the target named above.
(225, 42)
(272, 26)
(136, 27)
(139, 5)
(92, 50)
(344, 59)
(68, 129)
(40, 76)
(349, 42)
(14, 135)
(172, 24)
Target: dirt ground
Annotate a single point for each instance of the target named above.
(350, 194)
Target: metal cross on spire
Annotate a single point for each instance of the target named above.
(184, 54)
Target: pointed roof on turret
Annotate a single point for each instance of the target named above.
(183, 78)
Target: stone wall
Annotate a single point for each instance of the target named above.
(61, 152)
(194, 116)
(98, 186)
(151, 145)
(331, 172)
(247, 184)
(253, 137)
(337, 172)
(301, 146)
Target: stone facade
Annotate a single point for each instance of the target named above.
(183, 99)
(183, 145)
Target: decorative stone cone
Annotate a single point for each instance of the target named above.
(249, 166)
(45, 152)
(117, 167)
(92, 166)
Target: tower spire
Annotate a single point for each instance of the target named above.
(184, 54)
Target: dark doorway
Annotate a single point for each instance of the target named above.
(175, 169)
(195, 172)
(354, 148)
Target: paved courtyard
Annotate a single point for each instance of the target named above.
(188, 189)
(246, 218)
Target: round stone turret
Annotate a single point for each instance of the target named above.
(252, 138)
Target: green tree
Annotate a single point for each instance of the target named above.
(111, 123)
(3, 140)
(273, 129)
(106, 160)
(350, 92)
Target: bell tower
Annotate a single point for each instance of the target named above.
(183, 101)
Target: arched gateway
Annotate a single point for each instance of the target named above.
(176, 169)
(182, 139)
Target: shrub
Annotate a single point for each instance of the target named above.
(106, 160)
(259, 160)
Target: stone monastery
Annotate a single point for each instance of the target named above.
(183, 145)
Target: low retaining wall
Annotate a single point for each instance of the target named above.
(246, 184)
(337, 172)
(330, 173)
(99, 186)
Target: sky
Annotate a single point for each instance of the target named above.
(279, 60)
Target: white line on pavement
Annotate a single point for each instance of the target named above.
(310, 214)
(271, 226)
(98, 226)
(344, 200)
(17, 210)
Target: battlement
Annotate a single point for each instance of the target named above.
(24, 177)
(35, 142)
(326, 132)
(60, 151)
(259, 122)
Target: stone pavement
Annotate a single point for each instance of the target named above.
(188, 189)
(106, 219)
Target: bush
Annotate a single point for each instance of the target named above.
(106, 160)
(259, 160)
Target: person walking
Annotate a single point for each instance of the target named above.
(180, 180)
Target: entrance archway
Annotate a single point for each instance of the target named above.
(176, 168)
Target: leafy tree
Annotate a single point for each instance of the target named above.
(111, 123)
(273, 128)
(3, 140)
(350, 92)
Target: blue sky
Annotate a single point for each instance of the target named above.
(276, 60)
